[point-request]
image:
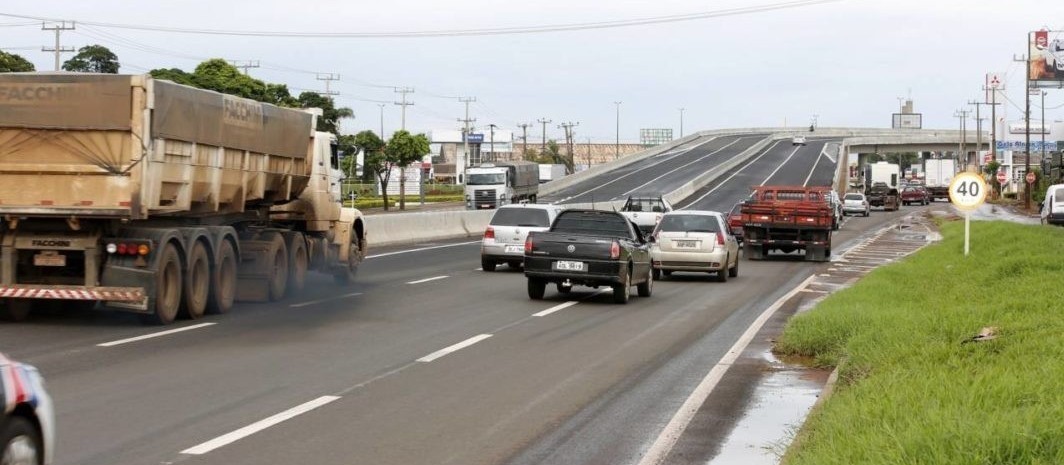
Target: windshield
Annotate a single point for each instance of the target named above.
(486, 179)
(528, 217)
(689, 223)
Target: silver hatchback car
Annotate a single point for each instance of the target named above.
(504, 239)
(694, 240)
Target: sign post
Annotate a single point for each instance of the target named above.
(967, 192)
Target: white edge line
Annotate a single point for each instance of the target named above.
(421, 249)
(153, 335)
(312, 302)
(672, 432)
(260, 425)
(455, 348)
(556, 308)
(434, 278)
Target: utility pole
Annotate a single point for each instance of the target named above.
(58, 27)
(1043, 130)
(978, 129)
(993, 120)
(460, 160)
(491, 143)
(381, 106)
(962, 115)
(681, 122)
(245, 64)
(544, 121)
(1027, 118)
(328, 78)
(568, 127)
(524, 138)
(404, 103)
(617, 142)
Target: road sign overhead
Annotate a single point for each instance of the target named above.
(967, 191)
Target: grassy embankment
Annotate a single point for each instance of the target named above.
(910, 390)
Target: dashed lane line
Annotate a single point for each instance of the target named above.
(434, 278)
(154, 335)
(260, 425)
(455, 348)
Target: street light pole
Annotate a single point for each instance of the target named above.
(617, 142)
(681, 122)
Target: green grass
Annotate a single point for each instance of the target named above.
(909, 391)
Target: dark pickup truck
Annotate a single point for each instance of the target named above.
(590, 248)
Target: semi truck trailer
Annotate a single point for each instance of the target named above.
(492, 185)
(166, 200)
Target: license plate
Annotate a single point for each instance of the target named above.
(515, 249)
(569, 266)
(49, 259)
(686, 244)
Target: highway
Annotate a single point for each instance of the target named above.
(426, 360)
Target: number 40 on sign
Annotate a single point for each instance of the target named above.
(967, 192)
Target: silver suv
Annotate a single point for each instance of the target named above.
(504, 239)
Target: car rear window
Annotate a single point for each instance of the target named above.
(644, 205)
(527, 217)
(592, 224)
(689, 223)
(1058, 195)
(854, 197)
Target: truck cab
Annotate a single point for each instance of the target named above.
(492, 185)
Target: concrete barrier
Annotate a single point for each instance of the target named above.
(405, 228)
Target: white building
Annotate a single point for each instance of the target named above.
(449, 158)
(1011, 140)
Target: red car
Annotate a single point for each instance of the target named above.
(915, 194)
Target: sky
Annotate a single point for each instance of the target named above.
(847, 62)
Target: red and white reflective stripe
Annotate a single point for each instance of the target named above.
(70, 294)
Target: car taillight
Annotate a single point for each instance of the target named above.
(615, 250)
(720, 238)
(489, 233)
(528, 245)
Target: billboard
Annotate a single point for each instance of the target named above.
(908, 121)
(654, 136)
(1045, 64)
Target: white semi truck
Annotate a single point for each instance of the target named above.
(938, 174)
(162, 199)
(491, 185)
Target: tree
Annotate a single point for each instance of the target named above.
(14, 63)
(402, 150)
(221, 76)
(173, 74)
(93, 59)
(330, 120)
(374, 160)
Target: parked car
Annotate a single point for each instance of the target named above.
(645, 210)
(735, 222)
(798, 140)
(504, 238)
(589, 248)
(27, 420)
(915, 194)
(1053, 206)
(855, 203)
(695, 240)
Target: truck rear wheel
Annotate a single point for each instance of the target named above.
(354, 258)
(223, 280)
(196, 283)
(277, 265)
(168, 288)
(297, 263)
(15, 309)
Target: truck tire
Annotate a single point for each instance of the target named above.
(487, 264)
(197, 283)
(647, 287)
(276, 265)
(298, 262)
(223, 280)
(20, 443)
(622, 291)
(15, 310)
(536, 288)
(168, 288)
(347, 276)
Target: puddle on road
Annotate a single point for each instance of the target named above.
(780, 404)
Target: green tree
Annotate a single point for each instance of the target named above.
(331, 115)
(93, 59)
(220, 76)
(173, 74)
(374, 159)
(402, 150)
(991, 170)
(14, 63)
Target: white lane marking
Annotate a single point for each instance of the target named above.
(478, 269)
(434, 278)
(678, 168)
(421, 249)
(722, 183)
(672, 432)
(455, 348)
(153, 335)
(260, 425)
(556, 308)
(815, 163)
(781, 165)
(637, 171)
(313, 302)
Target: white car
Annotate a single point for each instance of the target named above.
(645, 211)
(504, 239)
(697, 241)
(1053, 206)
(798, 140)
(1054, 54)
(855, 203)
(27, 419)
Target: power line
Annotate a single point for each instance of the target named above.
(468, 32)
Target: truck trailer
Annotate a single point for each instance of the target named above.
(166, 200)
(491, 185)
(787, 219)
(938, 174)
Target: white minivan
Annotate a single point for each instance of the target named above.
(1053, 205)
(504, 239)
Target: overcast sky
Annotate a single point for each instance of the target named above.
(846, 61)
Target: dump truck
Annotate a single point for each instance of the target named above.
(787, 219)
(139, 194)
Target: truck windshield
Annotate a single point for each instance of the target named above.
(486, 179)
(593, 224)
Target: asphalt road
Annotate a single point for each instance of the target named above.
(425, 360)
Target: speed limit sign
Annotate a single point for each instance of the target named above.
(967, 191)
